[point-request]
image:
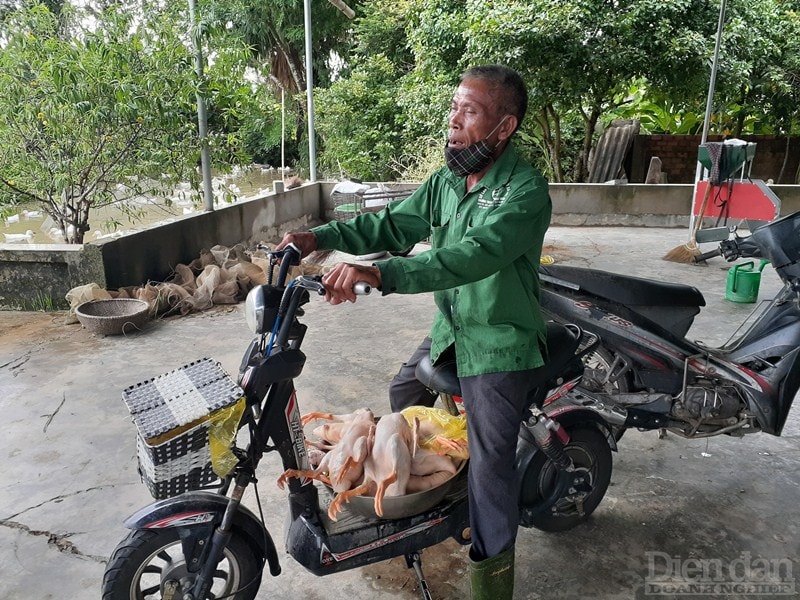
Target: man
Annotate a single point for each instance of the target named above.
(486, 214)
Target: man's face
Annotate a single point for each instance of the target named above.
(473, 113)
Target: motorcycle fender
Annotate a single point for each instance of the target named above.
(570, 417)
(201, 511)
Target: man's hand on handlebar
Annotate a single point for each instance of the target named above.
(305, 241)
(340, 280)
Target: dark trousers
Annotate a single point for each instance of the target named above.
(405, 389)
(495, 405)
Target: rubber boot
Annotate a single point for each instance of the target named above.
(493, 578)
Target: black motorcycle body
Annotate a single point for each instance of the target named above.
(650, 376)
(204, 544)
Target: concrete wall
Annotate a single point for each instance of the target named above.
(639, 205)
(597, 204)
(33, 276)
(153, 253)
(38, 276)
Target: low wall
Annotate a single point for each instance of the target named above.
(598, 204)
(152, 254)
(38, 276)
(637, 205)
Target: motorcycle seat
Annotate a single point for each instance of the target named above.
(442, 377)
(625, 289)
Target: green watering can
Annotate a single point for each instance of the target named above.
(744, 281)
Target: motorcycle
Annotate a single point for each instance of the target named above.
(205, 544)
(645, 374)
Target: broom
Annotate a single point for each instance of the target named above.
(686, 253)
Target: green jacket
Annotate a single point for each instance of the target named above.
(482, 266)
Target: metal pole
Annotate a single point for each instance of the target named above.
(714, 65)
(709, 103)
(312, 151)
(202, 116)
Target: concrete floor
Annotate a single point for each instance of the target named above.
(69, 460)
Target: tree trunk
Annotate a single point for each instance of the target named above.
(551, 136)
(557, 151)
(581, 171)
(785, 158)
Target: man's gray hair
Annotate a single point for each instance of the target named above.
(513, 99)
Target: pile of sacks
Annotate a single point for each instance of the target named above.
(221, 275)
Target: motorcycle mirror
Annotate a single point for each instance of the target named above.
(713, 234)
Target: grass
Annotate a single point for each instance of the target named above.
(43, 302)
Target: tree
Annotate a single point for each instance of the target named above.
(359, 121)
(275, 33)
(579, 56)
(103, 115)
(386, 115)
(759, 80)
(585, 61)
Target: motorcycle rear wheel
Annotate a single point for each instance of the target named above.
(146, 561)
(542, 508)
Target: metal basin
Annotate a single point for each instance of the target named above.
(397, 507)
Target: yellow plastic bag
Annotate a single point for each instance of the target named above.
(222, 427)
(435, 423)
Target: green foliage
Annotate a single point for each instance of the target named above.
(586, 62)
(655, 112)
(358, 121)
(760, 88)
(580, 56)
(420, 160)
(275, 32)
(43, 302)
(381, 29)
(89, 117)
(261, 134)
(436, 33)
(385, 118)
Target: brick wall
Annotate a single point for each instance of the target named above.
(678, 154)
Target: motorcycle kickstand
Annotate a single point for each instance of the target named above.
(414, 561)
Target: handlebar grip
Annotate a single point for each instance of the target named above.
(362, 288)
(706, 255)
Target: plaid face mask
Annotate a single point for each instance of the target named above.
(472, 159)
